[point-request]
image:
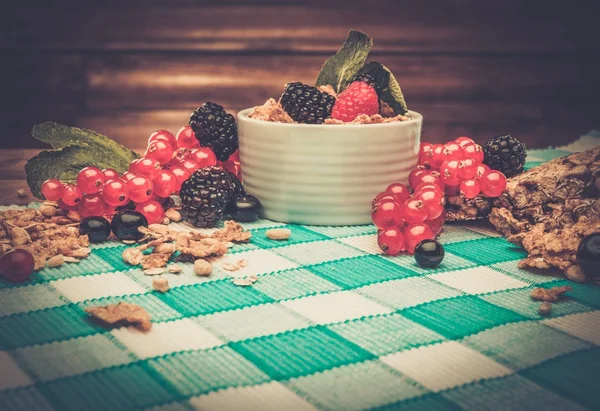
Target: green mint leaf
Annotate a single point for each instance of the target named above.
(75, 149)
(390, 89)
(340, 68)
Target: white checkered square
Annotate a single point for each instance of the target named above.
(87, 287)
(11, 375)
(366, 243)
(258, 262)
(166, 337)
(445, 365)
(583, 325)
(268, 396)
(317, 252)
(478, 280)
(335, 307)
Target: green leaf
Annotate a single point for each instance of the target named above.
(75, 149)
(340, 68)
(390, 89)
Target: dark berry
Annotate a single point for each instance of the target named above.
(96, 228)
(429, 253)
(125, 224)
(17, 265)
(216, 129)
(588, 256)
(505, 154)
(246, 209)
(306, 104)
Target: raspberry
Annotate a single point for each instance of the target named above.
(358, 98)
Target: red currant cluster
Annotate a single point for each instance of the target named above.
(168, 161)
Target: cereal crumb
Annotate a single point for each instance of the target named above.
(21, 193)
(132, 256)
(160, 284)
(545, 308)
(232, 232)
(279, 233)
(164, 248)
(74, 216)
(328, 89)
(271, 111)
(128, 242)
(230, 267)
(175, 269)
(81, 252)
(122, 313)
(202, 267)
(242, 263)
(155, 261)
(166, 221)
(173, 215)
(48, 211)
(245, 282)
(549, 294)
(154, 271)
(69, 259)
(56, 261)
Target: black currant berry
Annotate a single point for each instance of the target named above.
(125, 224)
(588, 256)
(429, 253)
(245, 208)
(96, 228)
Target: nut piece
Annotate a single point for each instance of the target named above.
(74, 216)
(19, 236)
(230, 267)
(132, 256)
(173, 215)
(549, 294)
(71, 259)
(56, 261)
(175, 269)
(202, 267)
(81, 253)
(160, 284)
(242, 263)
(21, 193)
(245, 282)
(166, 221)
(545, 308)
(122, 313)
(183, 240)
(279, 233)
(47, 211)
(159, 229)
(154, 271)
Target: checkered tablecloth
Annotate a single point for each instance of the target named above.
(331, 324)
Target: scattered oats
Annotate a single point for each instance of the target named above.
(64, 250)
(155, 261)
(549, 294)
(232, 231)
(160, 284)
(166, 221)
(81, 252)
(164, 248)
(21, 193)
(154, 271)
(129, 242)
(173, 215)
(132, 256)
(72, 230)
(183, 240)
(252, 278)
(230, 267)
(242, 263)
(175, 269)
(202, 267)
(83, 240)
(229, 244)
(279, 233)
(47, 211)
(71, 259)
(158, 229)
(122, 313)
(545, 308)
(73, 216)
(245, 282)
(19, 236)
(56, 261)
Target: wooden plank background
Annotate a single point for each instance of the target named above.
(125, 68)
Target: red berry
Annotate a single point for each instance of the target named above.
(473, 151)
(232, 167)
(181, 174)
(115, 193)
(449, 172)
(467, 168)
(400, 191)
(386, 214)
(152, 210)
(428, 177)
(191, 165)
(433, 201)
(414, 211)
(140, 189)
(186, 138)
(493, 183)
(453, 151)
(146, 167)
(424, 149)
(128, 175)
(160, 151)
(163, 135)
(110, 174)
(386, 195)
(414, 234)
(62, 205)
(71, 195)
(424, 186)
(204, 156)
(52, 189)
(358, 98)
(91, 205)
(463, 141)
(109, 210)
(391, 241)
(414, 174)
(452, 190)
(235, 157)
(482, 170)
(165, 184)
(90, 180)
(17, 265)
(436, 158)
(437, 223)
(470, 188)
(181, 154)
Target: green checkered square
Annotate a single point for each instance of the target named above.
(386, 334)
(486, 251)
(317, 252)
(94, 264)
(293, 283)
(530, 276)
(29, 298)
(427, 402)
(173, 406)
(451, 262)
(199, 372)
(345, 387)
(345, 231)
(299, 235)
(460, 316)
(114, 257)
(520, 345)
(28, 398)
(453, 233)
(301, 352)
(585, 294)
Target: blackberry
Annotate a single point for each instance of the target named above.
(216, 129)
(306, 104)
(505, 154)
(205, 195)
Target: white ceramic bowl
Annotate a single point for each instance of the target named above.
(324, 174)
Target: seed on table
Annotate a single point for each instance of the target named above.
(202, 267)
(56, 261)
(279, 233)
(160, 284)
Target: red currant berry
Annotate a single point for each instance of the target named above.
(160, 151)
(452, 190)
(414, 211)
(453, 151)
(163, 135)
(437, 223)
(473, 151)
(232, 167)
(400, 191)
(386, 214)
(235, 157)
(52, 189)
(186, 138)
(109, 211)
(414, 174)
(470, 188)
(429, 176)
(191, 165)
(71, 195)
(467, 168)
(482, 170)
(424, 186)
(463, 141)
(493, 183)
(146, 167)
(17, 265)
(181, 174)
(91, 205)
(424, 149)
(204, 156)
(128, 175)
(449, 172)
(437, 156)
(433, 201)
(152, 210)
(386, 195)
(414, 234)
(110, 174)
(165, 184)
(140, 189)
(115, 193)
(90, 180)
(62, 205)
(391, 241)
(181, 154)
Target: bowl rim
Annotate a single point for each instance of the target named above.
(243, 114)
